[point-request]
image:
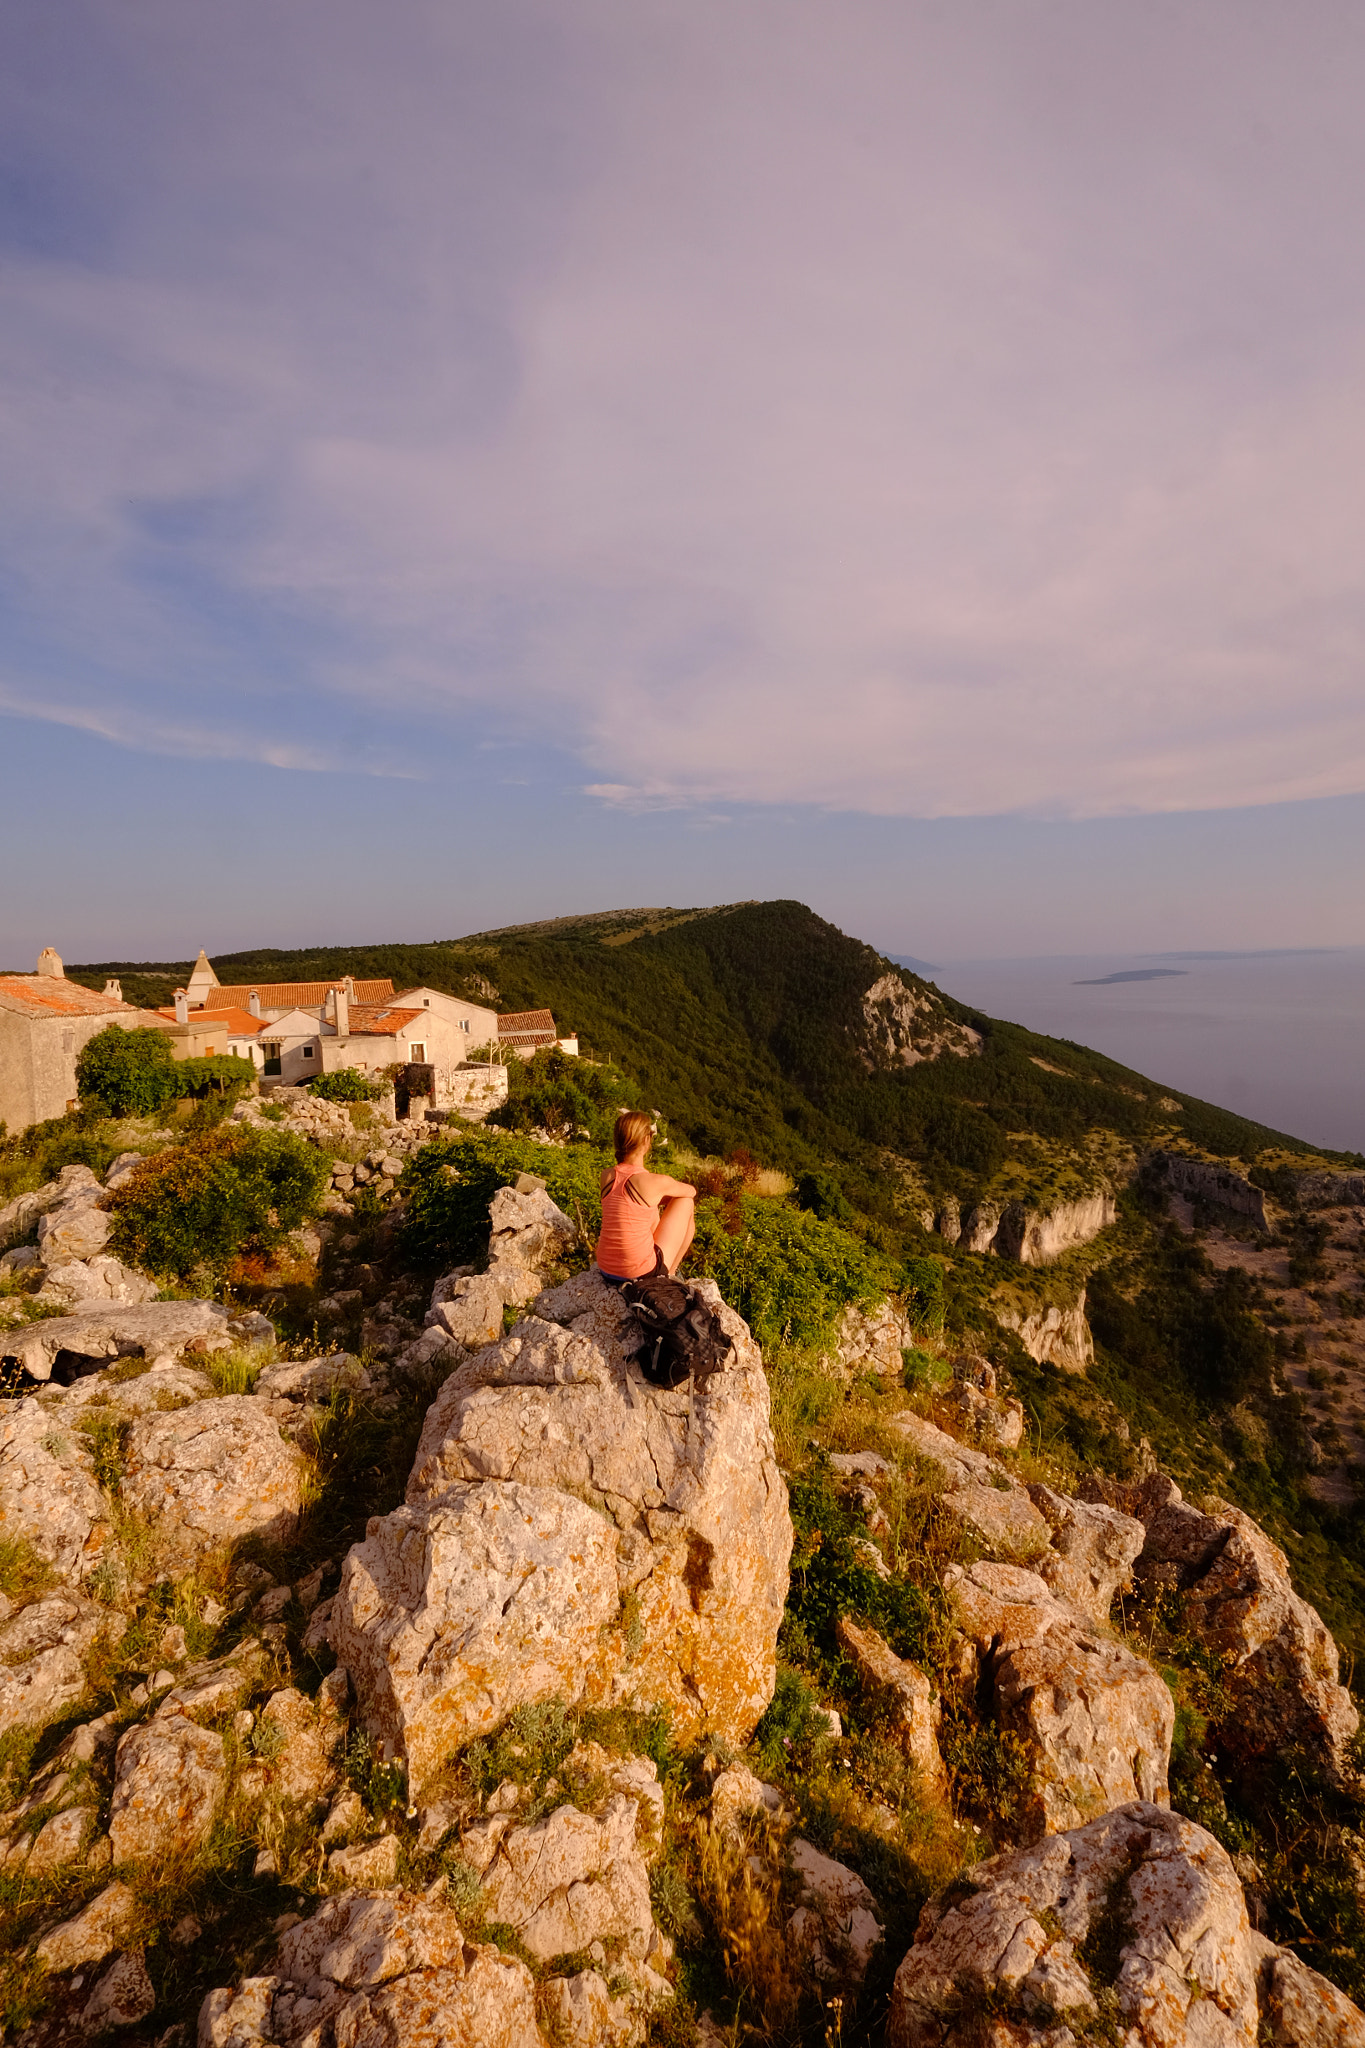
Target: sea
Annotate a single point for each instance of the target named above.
(1275, 1036)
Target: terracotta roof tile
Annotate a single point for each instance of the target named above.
(293, 995)
(238, 1023)
(518, 1022)
(380, 1020)
(47, 995)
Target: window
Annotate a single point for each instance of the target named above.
(417, 1052)
(464, 1023)
(272, 1056)
(308, 1052)
(426, 1002)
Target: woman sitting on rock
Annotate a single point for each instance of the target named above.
(648, 1219)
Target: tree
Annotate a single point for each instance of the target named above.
(131, 1072)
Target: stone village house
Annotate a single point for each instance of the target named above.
(45, 1023)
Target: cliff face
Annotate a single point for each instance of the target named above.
(1032, 1236)
(1052, 1335)
(1209, 1182)
(905, 1025)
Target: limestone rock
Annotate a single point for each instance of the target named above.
(101, 1278)
(306, 1740)
(213, 1473)
(472, 1317)
(18, 1218)
(1002, 1603)
(452, 1614)
(168, 1775)
(110, 1330)
(572, 1880)
(871, 1340)
(74, 1227)
(374, 1864)
(1095, 1720)
(528, 1230)
(1279, 1660)
(1093, 1551)
(1300, 2009)
(208, 1689)
(312, 1379)
(836, 1922)
(737, 1792)
(42, 1653)
(979, 1493)
(89, 1936)
(378, 1970)
(48, 1492)
(1190, 1968)
(906, 1693)
(123, 1996)
(668, 1589)
(60, 1840)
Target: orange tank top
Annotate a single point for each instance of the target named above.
(626, 1245)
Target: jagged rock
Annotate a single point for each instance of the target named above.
(988, 1417)
(871, 1340)
(906, 1693)
(471, 1317)
(737, 1792)
(528, 1230)
(836, 1923)
(496, 1584)
(385, 1970)
(210, 1688)
(312, 1379)
(1052, 1335)
(1095, 1721)
(1300, 2009)
(42, 1653)
(91, 1933)
(305, 1767)
(123, 1996)
(168, 1775)
(1036, 1236)
(75, 1227)
(583, 2014)
(371, 1864)
(48, 1492)
(213, 1473)
(60, 1840)
(635, 1776)
(18, 1218)
(1189, 1965)
(1093, 1551)
(161, 1386)
(346, 1816)
(572, 1880)
(155, 1328)
(1279, 1660)
(77, 1281)
(979, 1493)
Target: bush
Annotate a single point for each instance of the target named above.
(131, 1072)
(568, 1097)
(222, 1071)
(347, 1085)
(202, 1203)
(448, 1185)
(787, 1273)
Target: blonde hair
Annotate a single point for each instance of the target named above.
(633, 1129)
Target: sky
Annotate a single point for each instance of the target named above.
(467, 463)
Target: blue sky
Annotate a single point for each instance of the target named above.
(460, 464)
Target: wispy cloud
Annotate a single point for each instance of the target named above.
(894, 415)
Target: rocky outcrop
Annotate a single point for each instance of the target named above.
(1323, 1190)
(168, 1779)
(904, 1694)
(19, 1218)
(42, 1657)
(153, 1329)
(1034, 1236)
(568, 1880)
(1209, 1181)
(904, 1025)
(1279, 1660)
(529, 1236)
(570, 1529)
(987, 1417)
(212, 1473)
(978, 1493)
(872, 1340)
(74, 1227)
(78, 1282)
(90, 1934)
(382, 1969)
(1094, 1548)
(1094, 1721)
(1013, 1948)
(1051, 1335)
(48, 1494)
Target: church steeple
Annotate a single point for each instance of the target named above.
(200, 982)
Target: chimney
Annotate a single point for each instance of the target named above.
(350, 988)
(114, 989)
(343, 1003)
(253, 1002)
(182, 1007)
(50, 963)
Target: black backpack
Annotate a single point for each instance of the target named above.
(682, 1335)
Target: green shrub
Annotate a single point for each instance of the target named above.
(131, 1072)
(568, 1097)
(202, 1203)
(448, 1185)
(788, 1274)
(222, 1071)
(347, 1085)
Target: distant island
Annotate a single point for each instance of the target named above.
(1132, 974)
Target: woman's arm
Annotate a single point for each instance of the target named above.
(661, 1187)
